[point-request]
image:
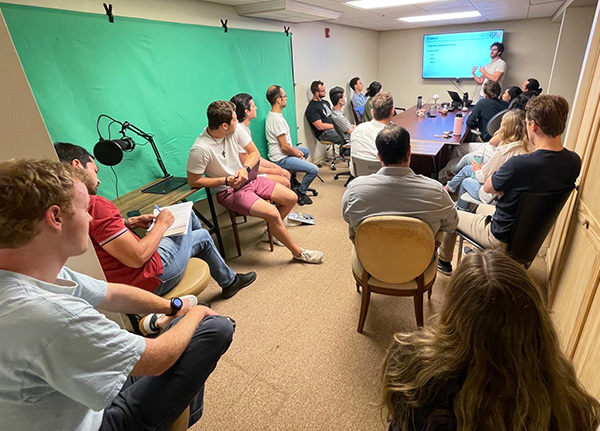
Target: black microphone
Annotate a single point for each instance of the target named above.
(109, 152)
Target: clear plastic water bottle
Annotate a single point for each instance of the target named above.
(433, 111)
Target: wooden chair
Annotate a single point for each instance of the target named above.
(536, 214)
(234, 225)
(394, 255)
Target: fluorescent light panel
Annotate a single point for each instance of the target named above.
(380, 4)
(441, 17)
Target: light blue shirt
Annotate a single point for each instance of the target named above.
(61, 361)
(358, 102)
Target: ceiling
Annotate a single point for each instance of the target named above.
(295, 11)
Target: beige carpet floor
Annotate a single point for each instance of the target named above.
(296, 361)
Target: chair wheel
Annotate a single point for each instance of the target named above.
(319, 164)
(315, 193)
(336, 176)
(333, 167)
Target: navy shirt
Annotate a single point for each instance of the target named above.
(539, 172)
(483, 112)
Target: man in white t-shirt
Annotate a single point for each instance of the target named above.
(215, 154)
(362, 139)
(281, 149)
(494, 70)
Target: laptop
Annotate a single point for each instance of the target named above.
(456, 100)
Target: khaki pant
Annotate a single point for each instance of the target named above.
(476, 226)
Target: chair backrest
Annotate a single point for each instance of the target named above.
(536, 214)
(364, 167)
(494, 124)
(394, 249)
(357, 118)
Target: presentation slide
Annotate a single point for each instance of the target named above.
(453, 55)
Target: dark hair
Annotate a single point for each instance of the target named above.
(500, 47)
(393, 143)
(219, 112)
(67, 152)
(374, 88)
(383, 102)
(353, 82)
(514, 91)
(492, 89)
(335, 94)
(314, 86)
(273, 93)
(533, 85)
(549, 112)
(241, 102)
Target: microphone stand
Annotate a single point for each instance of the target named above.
(128, 126)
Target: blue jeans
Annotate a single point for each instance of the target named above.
(155, 402)
(176, 251)
(295, 164)
(464, 184)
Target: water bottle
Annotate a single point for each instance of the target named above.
(458, 125)
(466, 100)
(419, 102)
(478, 160)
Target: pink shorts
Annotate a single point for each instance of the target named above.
(242, 199)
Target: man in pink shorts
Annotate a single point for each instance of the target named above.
(215, 154)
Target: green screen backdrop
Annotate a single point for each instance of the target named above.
(159, 76)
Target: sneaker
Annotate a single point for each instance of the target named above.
(191, 299)
(468, 250)
(310, 256)
(444, 267)
(241, 281)
(149, 324)
(265, 238)
(303, 199)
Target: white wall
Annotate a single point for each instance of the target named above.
(529, 52)
(348, 52)
(574, 34)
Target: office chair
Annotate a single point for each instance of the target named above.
(536, 214)
(494, 124)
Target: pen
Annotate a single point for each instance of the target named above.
(157, 208)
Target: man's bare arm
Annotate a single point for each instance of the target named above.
(322, 126)
(162, 352)
(129, 251)
(288, 149)
(489, 188)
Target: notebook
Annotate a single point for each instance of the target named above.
(182, 213)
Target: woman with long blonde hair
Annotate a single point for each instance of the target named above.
(493, 361)
(511, 140)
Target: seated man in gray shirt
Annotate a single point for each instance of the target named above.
(396, 190)
(338, 98)
(65, 366)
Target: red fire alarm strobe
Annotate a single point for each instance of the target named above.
(327, 33)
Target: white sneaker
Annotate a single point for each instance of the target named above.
(310, 256)
(265, 238)
(191, 299)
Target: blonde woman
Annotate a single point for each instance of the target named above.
(493, 361)
(513, 141)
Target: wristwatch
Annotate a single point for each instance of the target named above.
(248, 168)
(176, 305)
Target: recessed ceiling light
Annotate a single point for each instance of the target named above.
(440, 17)
(379, 4)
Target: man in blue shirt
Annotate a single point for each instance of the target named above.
(359, 99)
(64, 365)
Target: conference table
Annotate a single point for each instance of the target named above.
(430, 150)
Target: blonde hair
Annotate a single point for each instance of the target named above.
(27, 189)
(496, 350)
(512, 129)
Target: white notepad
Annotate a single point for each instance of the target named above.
(182, 213)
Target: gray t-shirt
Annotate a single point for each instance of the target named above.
(61, 361)
(342, 122)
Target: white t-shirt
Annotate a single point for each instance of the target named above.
(275, 125)
(362, 141)
(247, 130)
(217, 157)
(492, 67)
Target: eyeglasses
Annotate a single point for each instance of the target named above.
(284, 96)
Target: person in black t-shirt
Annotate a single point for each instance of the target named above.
(318, 113)
(551, 167)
